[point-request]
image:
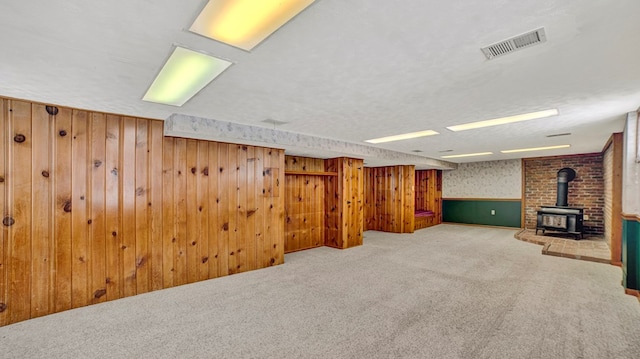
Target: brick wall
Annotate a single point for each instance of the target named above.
(586, 190)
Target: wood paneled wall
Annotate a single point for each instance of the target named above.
(429, 192)
(304, 203)
(390, 203)
(98, 207)
(344, 202)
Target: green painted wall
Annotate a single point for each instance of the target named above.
(475, 211)
(631, 253)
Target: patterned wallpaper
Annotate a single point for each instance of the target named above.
(490, 179)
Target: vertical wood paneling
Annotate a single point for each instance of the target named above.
(156, 203)
(224, 249)
(251, 209)
(42, 249)
(104, 207)
(168, 212)
(180, 203)
(62, 210)
(214, 221)
(390, 198)
(428, 196)
(193, 215)
(241, 208)
(142, 256)
(408, 200)
(333, 205)
(276, 202)
(128, 205)
(263, 251)
(114, 259)
(202, 195)
(344, 221)
(79, 210)
(4, 109)
(96, 221)
(20, 206)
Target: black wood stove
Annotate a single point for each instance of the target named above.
(561, 217)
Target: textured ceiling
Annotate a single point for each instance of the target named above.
(349, 70)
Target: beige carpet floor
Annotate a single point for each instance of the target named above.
(444, 292)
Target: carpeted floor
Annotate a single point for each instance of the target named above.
(444, 292)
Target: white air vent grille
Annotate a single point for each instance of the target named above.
(515, 43)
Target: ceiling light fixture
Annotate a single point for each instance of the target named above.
(404, 136)
(468, 155)
(245, 23)
(185, 73)
(536, 149)
(504, 120)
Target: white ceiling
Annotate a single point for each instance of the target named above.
(349, 70)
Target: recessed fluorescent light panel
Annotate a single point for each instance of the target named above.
(245, 23)
(468, 155)
(536, 149)
(504, 120)
(185, 73)
(404, 136)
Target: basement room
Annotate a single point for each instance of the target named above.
(320, 179)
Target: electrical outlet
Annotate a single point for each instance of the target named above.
(493, 212)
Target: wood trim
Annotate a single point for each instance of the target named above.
(303, 249)
(480, 225)
(632, 292)
(523, 204)
(631, 217)
(484, 199)
(610, 141)
(310, 173)
(616, 196)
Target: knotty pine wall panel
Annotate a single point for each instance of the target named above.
(390, 198)
(98, 207)
(429, 192)
(344, 202)
(304, 203)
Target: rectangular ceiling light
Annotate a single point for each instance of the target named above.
(404, 136)
(245, 23)
(536, 149)
(468, 155)
(504, 120)
(185, 73)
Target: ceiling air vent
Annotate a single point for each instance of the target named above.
(515, 43)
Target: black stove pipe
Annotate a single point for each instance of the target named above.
(565, 176)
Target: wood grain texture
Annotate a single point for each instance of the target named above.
(20, 206)
(428, 196)
(97, 210)
(41, 231)
(113, 225)
(62, 210)
(304, 203)
(4, 134)
(390, 198)
(616, 199)
(142, 252)
(155, 197)
(99, 207)
(344, 203)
